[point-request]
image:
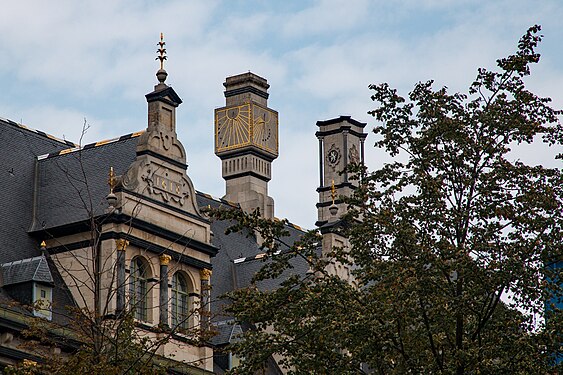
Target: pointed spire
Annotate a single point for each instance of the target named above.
(161, 74)
(161, 51)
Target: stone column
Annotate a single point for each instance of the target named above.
(321, 163)
(345, 153)
(163, 300)
(205, 274)
(121, 246)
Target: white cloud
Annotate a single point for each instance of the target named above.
(326, 17)
(92, 46)
(65, 124)
(66, 60)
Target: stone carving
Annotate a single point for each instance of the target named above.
(164, 144)
(169, 185)
(154, 178)
(353, 155)
(130, 180)
(333, 155)
(166, 141)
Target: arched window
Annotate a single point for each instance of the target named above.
(180, 302)
(138, 288)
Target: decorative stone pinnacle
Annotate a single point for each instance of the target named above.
(121, 244)
(165, 259)
(205, 274)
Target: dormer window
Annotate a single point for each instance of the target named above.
(29, 281)
(42, 300)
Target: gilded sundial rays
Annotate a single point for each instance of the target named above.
(247, 124)
(233, 126)
(261, 133)
(265, 131)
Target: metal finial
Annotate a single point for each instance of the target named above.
(43, 248)
(332, 191)
(161, 51)
(112, 180)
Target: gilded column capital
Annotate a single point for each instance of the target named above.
(205, 274)
(29, 363)
(164, 259)
(121, 244)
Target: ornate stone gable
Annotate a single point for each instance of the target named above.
(159, 170)
(156, 179)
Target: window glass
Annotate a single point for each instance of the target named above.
(42, 300)
(138, 289)
(180, 302)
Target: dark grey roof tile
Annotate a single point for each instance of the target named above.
(20, 148)
(73, 186)
(26, 270)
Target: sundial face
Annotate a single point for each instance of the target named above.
(232, 127)
(246, 125)
(265, 129)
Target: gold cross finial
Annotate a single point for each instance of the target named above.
(332, 191)
(161, 51)
(112, 180)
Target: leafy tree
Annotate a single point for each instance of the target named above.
(449, 245)
(118, 349)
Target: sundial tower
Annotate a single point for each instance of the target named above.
(246, 140)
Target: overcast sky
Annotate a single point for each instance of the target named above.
(63, 61)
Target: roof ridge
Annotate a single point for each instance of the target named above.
(219, 200)
(235, 325)
(38, 132)
(20, 261)
(290, 224)
(38, 265)
(91, 145)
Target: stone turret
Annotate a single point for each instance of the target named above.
(246, 140)
(341, 142)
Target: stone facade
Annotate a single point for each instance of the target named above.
(127, 211)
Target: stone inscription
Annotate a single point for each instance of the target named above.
(169, 189)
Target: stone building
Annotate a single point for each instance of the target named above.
(126, 210)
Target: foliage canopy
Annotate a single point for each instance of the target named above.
(448, 243)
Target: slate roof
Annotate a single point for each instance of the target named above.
(72, 184)
(25, 270)
(229, 272)
(20, 148)
(227, 332)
